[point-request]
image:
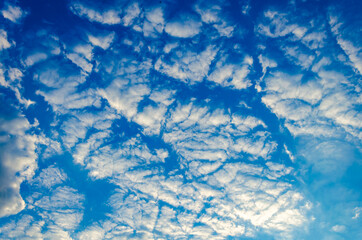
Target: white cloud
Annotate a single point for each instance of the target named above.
(164, 96)
(12, 13)
(357, 212)
(109, 17)
(151, 118)
(124, 97)
(154, 22)
(49, 177)
(224, 29)
(104, 160)
(65, 99)
(277, 25)
(314, 40)
(35, 58)
(338, 228)
(62, 197)
(266, 64)
(74, 129)
(84, 50)
(4, 43)
(103, 42)
(13, 81)
(285, 86)
(213, 15)
(324, 61)
(55, 232)
(353, 52)
(188, 66)
(93, 142)
(340, 101)
(92, 233)
(262, 202)
(236, 196)
(192, 131)
(233, 75)
(131, 13)
(15, 74)
(298, 57)
(134, 212)
(62, 92)
(185, 28)
(25, 227)
(168, 47)
(64, 206)
(290, 109)
(18, 161)
(80, 62)
(209, 14)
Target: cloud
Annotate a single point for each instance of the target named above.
(357, 212)
(296, 55)
(141, 214)
(232, 75)
(282, 88)
(49, 177)
(314, 40)
(64, 206)
(57, 216)
(105, 160)
(4, 43)
(18, 158)
(190, 67)
(280, 24)
(200, 134)
(12, 79)
(152, 117)
(25, 227)
(154, 22)
(338, 228)
(237, 197)
(212, 15)
(35, 58)
(59, 87)
(310, 104)
(12, 13)
(277, 25)
(109, 17)
(80, 62)
(184, 28)
(353, 52)
(266, 64)
(103, 42)
(92, 233)
(85, 51)
(124, 97)
(126, 108)
(131, 13)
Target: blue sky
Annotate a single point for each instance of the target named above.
(180, 119)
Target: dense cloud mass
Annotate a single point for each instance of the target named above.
(180, 120)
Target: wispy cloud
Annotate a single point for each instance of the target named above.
(109, 17)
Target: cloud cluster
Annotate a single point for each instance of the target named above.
(204, 124)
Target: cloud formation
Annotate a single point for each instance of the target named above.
(170, 120)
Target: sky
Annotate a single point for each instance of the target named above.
(180, 119)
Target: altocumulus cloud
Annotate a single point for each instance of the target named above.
(180, 120)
